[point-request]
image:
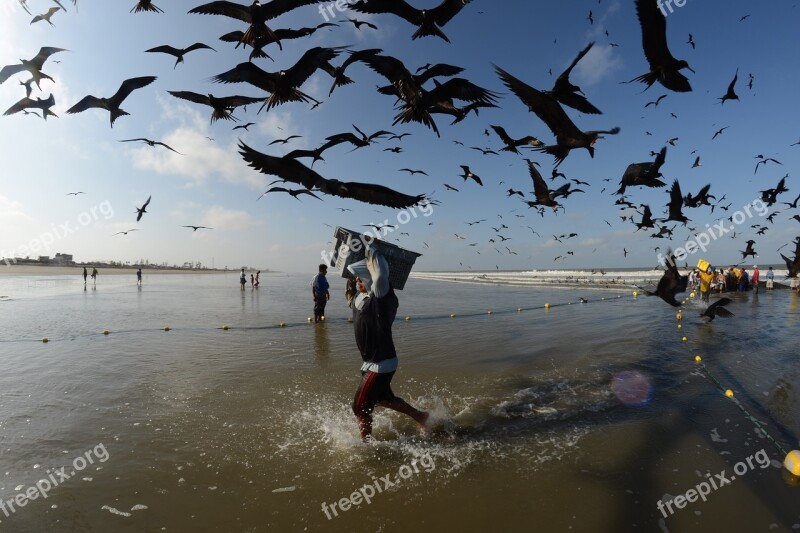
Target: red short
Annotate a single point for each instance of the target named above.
(374, 388)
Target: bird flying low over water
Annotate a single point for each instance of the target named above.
(717, 309)
(293, 171)
(178, 52)
(429, 20)
(670, 284)
(142, 210)
(28, 103)
(664, 68)
(255, 14)
(223, 106)
(568, 136)
(749, 250)
(34, 66)
(112, 104)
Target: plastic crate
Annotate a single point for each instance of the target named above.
(399, 259)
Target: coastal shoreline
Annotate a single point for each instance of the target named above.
(77, 270)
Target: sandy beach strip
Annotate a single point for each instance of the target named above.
(56, 270)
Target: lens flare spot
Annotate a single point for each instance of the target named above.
(632, 388)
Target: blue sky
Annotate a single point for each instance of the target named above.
(212, 186)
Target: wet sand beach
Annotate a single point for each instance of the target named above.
(581, 417)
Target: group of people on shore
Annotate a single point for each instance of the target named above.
(735, 279)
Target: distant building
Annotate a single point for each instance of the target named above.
(63, 259)
(44, 258)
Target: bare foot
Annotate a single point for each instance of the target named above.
(422, 423)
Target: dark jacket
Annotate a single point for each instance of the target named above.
(373, 327)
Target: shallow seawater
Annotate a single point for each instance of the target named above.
(581, 417)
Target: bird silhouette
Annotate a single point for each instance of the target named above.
(38, 103)
(178, 52)
(717, 309)
(46, 16)
(222, 106)
(643, 174)
(731, 94)
(244, 126)
(571, 95)
(34, 66)
(358, 23)
(146, 5)
(112, 104)
(149, 142)
(412, 171)
(670, 284)
(512, 144)
(293, 171)
(468, 174)
(675, 204)
(568, 136)
(664, 68)
(124, 232)
(142, 210)
(295, 193)
(429, 21)
(749, 251)
(195, 228)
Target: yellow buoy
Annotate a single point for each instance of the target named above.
(679, 316)
(547, 306)
(489, 312)
(792, 462)
(408, 318)
(680, 326)
(684, 339)
(45, 339)
(635, 294)
(105, 332)
(452, 315)
(167, 328)
(691, 295)
(309, 319)
(225, 327)
(519, 309)
(322, 317)
(697, 359)
(729, 393)
(283, 324)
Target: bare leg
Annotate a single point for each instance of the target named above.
(400, 405)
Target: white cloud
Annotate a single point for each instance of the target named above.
(600, 63)
(12, 209)
(218, 217)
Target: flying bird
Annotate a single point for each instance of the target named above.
(195, 228)
(512, 144)
(719, 132)
(358, 23)
(643, 174)
(429, 21)
(243, 126)
(675, 204)
(571, 95)
(178, 52)
(286, 140)
(670, 284)
(142, 210)
(46, 16)
(293, 171)
(468, 174)
(293, 192)
(148, 142)
(749, 251)
(568, 136)
(34, 66)
(112, 104)
(731, 94)
(28, 103)
(664, 68)
(75, 193)
(124, 232)
(146, 5)
(222, 106)
(412, 171)
(717, 309)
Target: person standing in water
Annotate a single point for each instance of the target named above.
(258, 282)
(139, 277)
(374, 305)
(770, 279)
(705, 283)
(94, 275)
(85, 274)
(754, 278)
(319, 291)
(243, 279)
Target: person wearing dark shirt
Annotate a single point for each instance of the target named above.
(374, 305)
(319, 291)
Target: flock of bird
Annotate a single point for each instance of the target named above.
(420, 96)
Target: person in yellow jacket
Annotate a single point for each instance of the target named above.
(705, 283)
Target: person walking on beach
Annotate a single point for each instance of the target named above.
(94, 275)
(721, 281)
(754, 278)
(252, 282)
(705, 283)
(139, 277)
(770, 279)
(243, 279)
(85, 274)
(744, 280)
(374, 305)
(319, 291)
(258, 282)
